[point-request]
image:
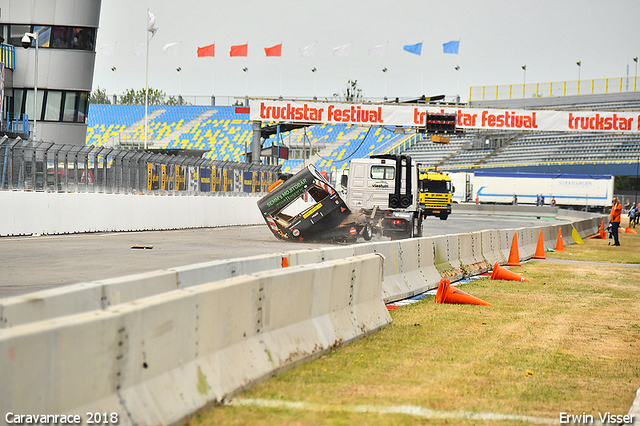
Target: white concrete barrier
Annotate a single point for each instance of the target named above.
(506, 240)
(101, 294)
(83, 297)
(491, 247)
(411, 267)
(505, 210)
(447, 258)
(27, 213)
(160, 358)
(470, 253)
(408, 269)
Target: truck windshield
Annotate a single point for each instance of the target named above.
(383, 172)
(438, 186)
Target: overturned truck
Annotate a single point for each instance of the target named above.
(306, 206)
(382, 198)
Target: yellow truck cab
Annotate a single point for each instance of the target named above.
(435, 190)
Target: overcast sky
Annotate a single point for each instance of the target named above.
(497, 37)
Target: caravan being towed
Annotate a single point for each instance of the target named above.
(382, 197)
(306, 206)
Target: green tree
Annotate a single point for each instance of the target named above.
(99, 97)
(136, 97)
(352, 93)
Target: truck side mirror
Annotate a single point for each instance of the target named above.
(344, 180)
(453, 189)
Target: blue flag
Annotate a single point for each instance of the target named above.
(451, 47)
(416, 49)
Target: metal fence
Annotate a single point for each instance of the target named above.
(50, 167)
(556, 88)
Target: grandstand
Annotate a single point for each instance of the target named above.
(224, 133)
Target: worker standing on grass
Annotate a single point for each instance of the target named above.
(616, 213)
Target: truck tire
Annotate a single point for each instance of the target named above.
(444, 216)
(367, 232)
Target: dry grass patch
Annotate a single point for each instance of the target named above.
(568, 342)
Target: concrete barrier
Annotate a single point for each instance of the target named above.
(28, 213)
(470, 254)
(411, 267)
(491, 247)
(160, 358)
(408, 268)
(446, 257)
(83, 297)
(505, 210)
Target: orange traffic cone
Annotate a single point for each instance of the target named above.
(449, 294)
(630, 230)
(540, 248)
(600, 235)
(514, 255)
(500, 273)
(560, 242)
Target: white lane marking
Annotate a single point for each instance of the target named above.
(411, 410)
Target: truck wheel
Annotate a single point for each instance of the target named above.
(367, 232)
(444, 216)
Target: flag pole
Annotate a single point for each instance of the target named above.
(421, 71)
(146, 86)
(280, 70)
(213, 78)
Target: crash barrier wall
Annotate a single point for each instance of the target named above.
(51, 167)
(411, 267)
(159, 359)
(29, 213)
(286, 315)
(506, 210)
(491, 247)
(470, 254)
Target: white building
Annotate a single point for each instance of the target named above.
(67, 32)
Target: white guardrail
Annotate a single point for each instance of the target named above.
(156, 347)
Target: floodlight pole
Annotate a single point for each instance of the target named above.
(315, 85)
(384, 70)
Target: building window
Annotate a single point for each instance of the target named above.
(16, 32)
(17, 104)
(28, 109)
(55, 37)
(70, 107)
(44, 36)
(53, 105)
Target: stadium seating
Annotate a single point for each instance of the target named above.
(226, 133)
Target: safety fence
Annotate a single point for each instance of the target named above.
(556, 88)
(50, 167)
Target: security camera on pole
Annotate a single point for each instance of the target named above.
(26, 43)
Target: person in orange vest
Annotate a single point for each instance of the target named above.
(614, 218)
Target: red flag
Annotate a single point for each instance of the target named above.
(240, 50)
(274, 51)
(207, 51)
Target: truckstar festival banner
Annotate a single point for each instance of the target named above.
(467, 118)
